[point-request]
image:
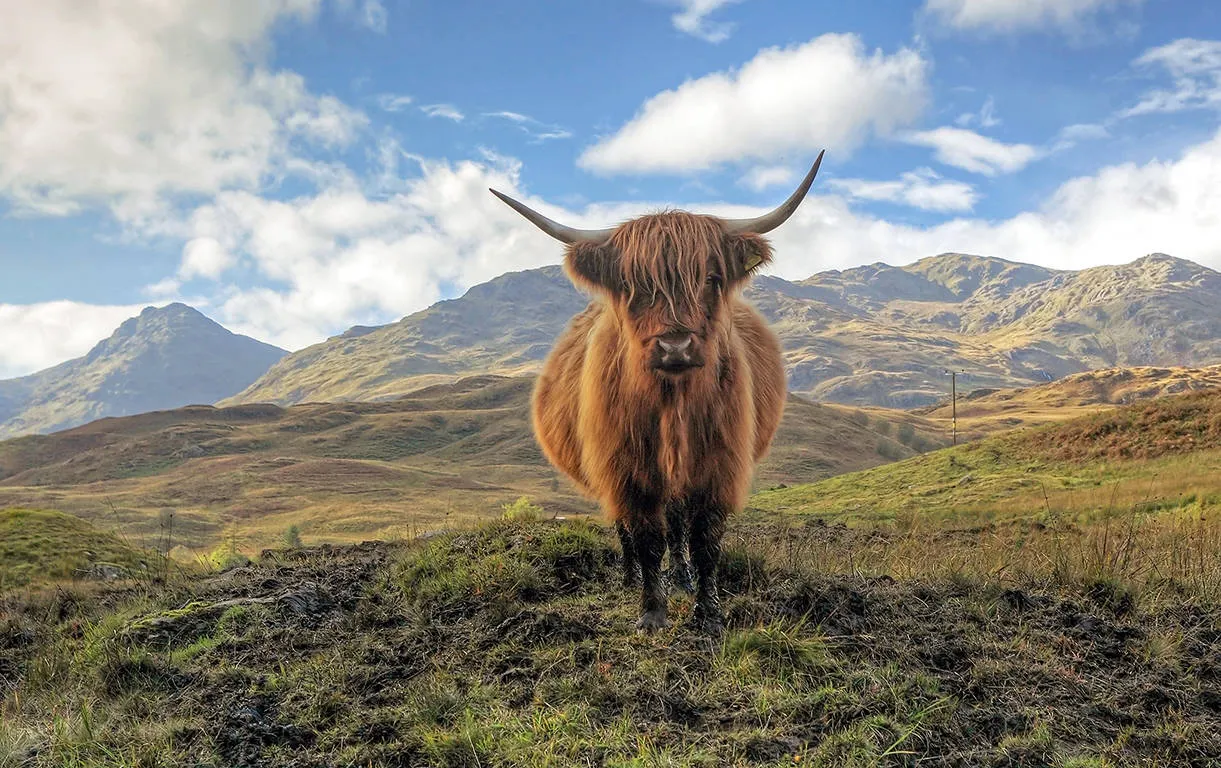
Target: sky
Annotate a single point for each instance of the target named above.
(295, 167)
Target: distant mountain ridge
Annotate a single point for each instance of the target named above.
(163, 358)
(871, 335)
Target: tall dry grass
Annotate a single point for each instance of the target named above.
(1150, 557)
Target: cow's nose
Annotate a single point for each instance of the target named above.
(675, 343)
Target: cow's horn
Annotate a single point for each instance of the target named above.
(560, 232)
(769, 221)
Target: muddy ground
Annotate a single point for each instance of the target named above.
(513, 644)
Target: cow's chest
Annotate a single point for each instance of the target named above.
(670, 449)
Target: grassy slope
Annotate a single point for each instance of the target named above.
(512, 645)
(38, 545)
(351, 471)
(1161, 454)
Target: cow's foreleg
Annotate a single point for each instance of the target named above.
(676, 542)
(641, 511)
(631, 567)
(706, 530)
(650, 539)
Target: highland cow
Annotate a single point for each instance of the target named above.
(662, 395)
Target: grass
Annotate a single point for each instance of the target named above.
(511, 644)
(38, 545)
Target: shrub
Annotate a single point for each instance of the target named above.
(292, 537)
(523, 511)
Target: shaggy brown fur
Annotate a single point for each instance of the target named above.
(664, 449)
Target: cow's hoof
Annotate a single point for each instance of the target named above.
(707, 621)
(709, 626)
(652, 621)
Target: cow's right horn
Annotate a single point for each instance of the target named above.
(559, 231)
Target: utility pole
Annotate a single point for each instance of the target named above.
(954, 402)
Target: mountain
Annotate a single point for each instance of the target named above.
(505, 326)
(872, 335)
(164, 358)
(353, 470)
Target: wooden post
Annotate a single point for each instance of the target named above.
(954, 403)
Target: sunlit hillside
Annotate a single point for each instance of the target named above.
(351, 471)
(984, 411)
(1162, 454)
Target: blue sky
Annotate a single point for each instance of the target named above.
(294, 167)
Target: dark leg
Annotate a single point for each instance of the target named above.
(676, 541)
(707, 528)
(650, 540)
(631, 569)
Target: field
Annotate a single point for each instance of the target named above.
(511, 644)
(1060, 606)
(199, 476)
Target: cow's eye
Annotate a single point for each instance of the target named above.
(714, 281)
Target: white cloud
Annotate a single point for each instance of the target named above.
(1194, 65)
(1118, 214)
(393, 102)
(345, 256)
(761, 177)
(367, 13)
(122, 104)
(828, 92)
(922, 189)
(448, 111)
(693, 20)
(986, 117)
(536, 129)
(970, 151)
(204, 257)
(1017, 15)
(374, 16)
(1072, 135)
(37, 336)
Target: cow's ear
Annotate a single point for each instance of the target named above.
(747, 253)
(594, 266)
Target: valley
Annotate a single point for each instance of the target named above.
(359, 470)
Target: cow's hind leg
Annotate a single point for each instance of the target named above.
(679, 574)
(707, 529)
(631, 567)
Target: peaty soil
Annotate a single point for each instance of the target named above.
(513, 644)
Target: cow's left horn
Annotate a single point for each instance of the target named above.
(557, 230)
(769, 221)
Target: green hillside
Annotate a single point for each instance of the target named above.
(512, 644)
(42, 546)
(1156, 455)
